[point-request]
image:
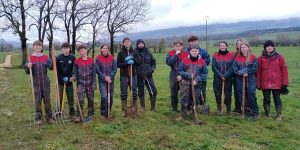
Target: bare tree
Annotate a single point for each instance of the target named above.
(14, 11)
(39, 15)
(122, 15)
(51, 12)
(161, 45)
(97, 21)
(75, 14)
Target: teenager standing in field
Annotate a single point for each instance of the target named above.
(126, 63)
(84, 71)
(106, 69)
(146, 65)
(222, 62)
(194, 42)
(272, 77)
(193, 71)
(245, 67)
(64, 63)
(173, 59)
(237, 104)
(40, 63)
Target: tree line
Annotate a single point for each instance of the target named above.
(51, 17)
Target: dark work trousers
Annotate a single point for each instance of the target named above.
(174, 88)
(149, 82)
(104, 96)
(276, 97)
(70, 97)
(89, 92)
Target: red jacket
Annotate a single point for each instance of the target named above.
(272, 72)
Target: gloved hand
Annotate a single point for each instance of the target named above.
(66, 79)
(284, 90)
(178, 51)
(130, 62)
(128, 58)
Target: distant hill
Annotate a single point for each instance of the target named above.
(217, 29)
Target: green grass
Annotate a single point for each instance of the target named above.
(152, 130)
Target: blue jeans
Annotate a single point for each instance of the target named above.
(125, 83)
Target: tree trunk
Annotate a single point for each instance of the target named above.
(23, 33)
(111, 43)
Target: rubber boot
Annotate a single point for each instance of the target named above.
(134, 107)
(142, 102)
(228, 109)
(219, 109)
(267, 110)
(153, 100)
(278, 110)
(124, 108)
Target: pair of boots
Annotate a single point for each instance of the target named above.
(278, 111)
(152, 101)
(219, 109)
(124, 107)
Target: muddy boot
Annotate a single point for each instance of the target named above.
(124, 108)
(77, 119)
(267, 110)
(184, 111)
(142, 102)
(71, 112)
(134, 106)
(228, 109)
(219, 109)
(153, 100)
(278, 110)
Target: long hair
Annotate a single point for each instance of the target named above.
(248, 57)
(102, 47)
(237, 49)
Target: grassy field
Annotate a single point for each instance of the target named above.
(151, 130)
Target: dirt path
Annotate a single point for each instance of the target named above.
(7, 62)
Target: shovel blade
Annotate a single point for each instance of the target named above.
(204, 109)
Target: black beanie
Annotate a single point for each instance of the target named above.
(140, 41)
(268, 43)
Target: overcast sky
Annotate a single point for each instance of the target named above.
(174, 13)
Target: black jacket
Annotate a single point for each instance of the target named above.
(145, 62)
(64, 67)
(122, 64)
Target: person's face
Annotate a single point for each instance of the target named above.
(244, 49)
(104, 50)
(238, 44)
(193, 43)
(82, 52)
(37, 48)
(222, 46)
(127, 44)
(178, 46)
(65, 51)
(269, 49)
(194, 52)
(141, 45)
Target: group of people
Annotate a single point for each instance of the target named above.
(239, 69)
(136, 69)
(188, 74)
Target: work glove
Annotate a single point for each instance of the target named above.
(284, 90)
(130, 62)
(128, 58)
(66, 80)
